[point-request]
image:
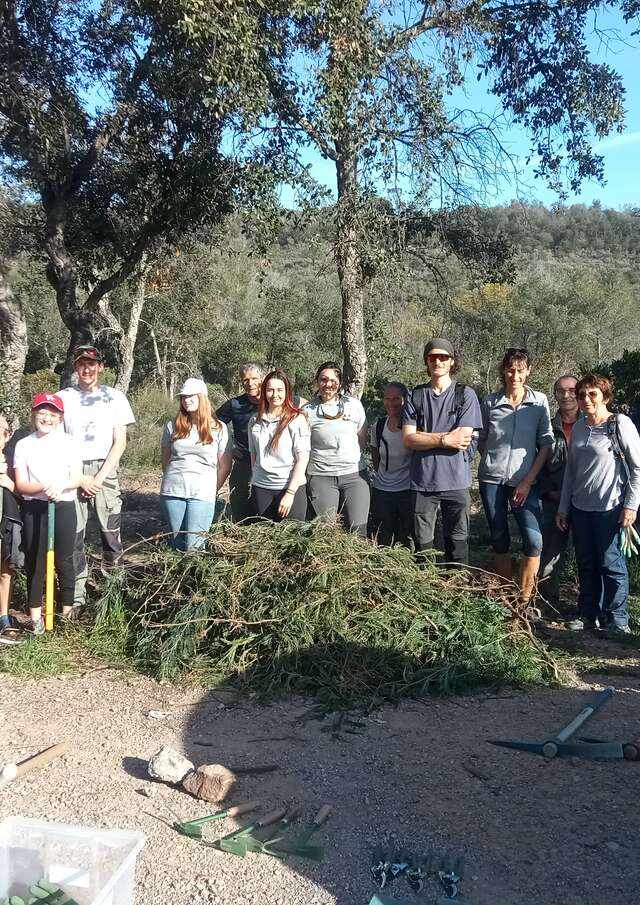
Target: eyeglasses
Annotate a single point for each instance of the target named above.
(592, 394)
(438, 356)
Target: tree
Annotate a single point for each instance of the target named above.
(104, 115)
(369, 85)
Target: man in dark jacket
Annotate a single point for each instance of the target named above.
(555, 542)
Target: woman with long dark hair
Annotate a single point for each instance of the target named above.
(279, 443)
(600, 496)
(515, 442)
(337, 474)
(196, 460)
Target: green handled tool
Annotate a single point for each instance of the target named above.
(257, 841)
(300, 845)
(42, 893)
(236, 843)
(50, 566)
(560, 746)
(193, 828)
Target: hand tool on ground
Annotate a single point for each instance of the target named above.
(257, 841)
(560, 746)
(381, 868)
(630, 750)
(300, 845)
(235, 843)
(42, 893)
(10, 772)
(450, 875)
(50, 566)
(418, 871)
(193, 828)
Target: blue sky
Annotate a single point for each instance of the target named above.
(621, 153)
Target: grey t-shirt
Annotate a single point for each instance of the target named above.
(393, 473)
(439, 469)
(595, 480)
(192, 471)
(335, 448)
(272, 467)
(511, 437)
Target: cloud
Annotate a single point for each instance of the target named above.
(618, 141)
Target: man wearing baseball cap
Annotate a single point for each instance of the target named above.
(97, 416)
(438, 426)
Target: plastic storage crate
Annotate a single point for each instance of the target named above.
(93, 866)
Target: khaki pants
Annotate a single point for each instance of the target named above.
(107, 508)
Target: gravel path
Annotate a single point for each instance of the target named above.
(421, 776)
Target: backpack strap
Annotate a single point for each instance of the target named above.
(417, 399)
(380, 441)
(458, 402)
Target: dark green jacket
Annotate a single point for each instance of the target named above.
(550, 478)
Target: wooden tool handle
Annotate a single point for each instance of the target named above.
(272, 817)
(39, 760)
(322, 814)
(242, 808)
(584, 715)
(293, 813)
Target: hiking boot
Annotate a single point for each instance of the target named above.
(614, 632)
(582, 625)
(35, 627)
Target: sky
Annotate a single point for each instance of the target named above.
(621, 152)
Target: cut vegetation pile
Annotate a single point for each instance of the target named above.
(312, 610)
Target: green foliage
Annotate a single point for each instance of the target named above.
(624, 373)
(306, 609)
(152, 408)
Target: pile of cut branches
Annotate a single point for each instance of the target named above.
(311, 610)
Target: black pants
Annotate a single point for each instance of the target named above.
(266, 503)
(391, 518)
(34, 532)
(454, 505)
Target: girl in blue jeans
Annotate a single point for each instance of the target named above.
(514, 443)
(196, 460)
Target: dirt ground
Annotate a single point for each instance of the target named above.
(420, 777)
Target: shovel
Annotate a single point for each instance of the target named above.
(300, 846)
(50, 566)
(236, 842)
(193, 828)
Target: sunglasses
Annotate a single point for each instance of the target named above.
(438, 356)
(592, 394)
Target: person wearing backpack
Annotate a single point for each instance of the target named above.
(391, 486)
(600, 495)
(438, 426)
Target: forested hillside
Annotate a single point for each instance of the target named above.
(569, 293)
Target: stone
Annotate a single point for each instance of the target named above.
(169, 765)
(211, 782)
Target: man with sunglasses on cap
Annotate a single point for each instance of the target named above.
(97, 416)
(440, 426)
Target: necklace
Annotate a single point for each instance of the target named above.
(339, 413)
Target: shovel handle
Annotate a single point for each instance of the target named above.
(242, 808)
(39, 760)
(584, 715)
(322, 815)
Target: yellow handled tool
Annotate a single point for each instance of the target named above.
(50, 572)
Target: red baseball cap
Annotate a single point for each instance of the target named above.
(86, 352)
(48, 399)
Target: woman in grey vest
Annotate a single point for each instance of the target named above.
(196, 461)
(391, 517)
(337, 474)
(600, 495)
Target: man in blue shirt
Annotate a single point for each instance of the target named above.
(440, 426)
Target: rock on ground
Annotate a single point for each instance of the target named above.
(168, 765)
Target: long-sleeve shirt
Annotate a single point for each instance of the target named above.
(595, 479)
(511, 437)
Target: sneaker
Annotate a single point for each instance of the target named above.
(614, 632)
(582, 625)
(10, 630)
(35, 627)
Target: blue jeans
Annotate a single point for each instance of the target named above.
(496, 499)
(602, 570)
(189, 520)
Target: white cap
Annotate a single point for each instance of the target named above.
(193, 385)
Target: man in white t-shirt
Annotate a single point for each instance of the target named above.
(97, 416)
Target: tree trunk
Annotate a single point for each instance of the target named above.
(349, 276)
(130, 335)
(13, 348)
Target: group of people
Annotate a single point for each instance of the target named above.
(290, 458)
(69, 456)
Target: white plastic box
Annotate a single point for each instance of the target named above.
(93, 866)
